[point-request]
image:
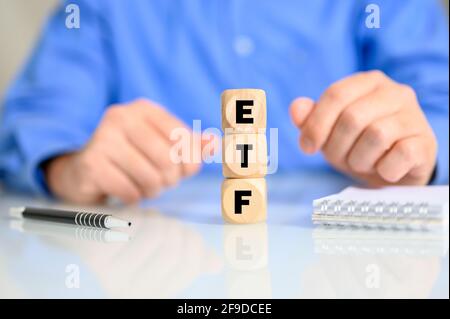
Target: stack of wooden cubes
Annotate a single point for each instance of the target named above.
(244, 156)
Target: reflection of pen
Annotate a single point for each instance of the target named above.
(43, 228)
(69, 217)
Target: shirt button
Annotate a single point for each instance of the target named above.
(243, 45)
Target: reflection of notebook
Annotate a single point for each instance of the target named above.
(403, 207)
(357, 241)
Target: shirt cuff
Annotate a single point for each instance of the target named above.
(41, 140)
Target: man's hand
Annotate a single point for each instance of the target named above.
(371, 128)
(128, 157)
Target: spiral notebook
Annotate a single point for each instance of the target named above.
(399, 207)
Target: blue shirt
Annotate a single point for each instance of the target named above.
(183, 54)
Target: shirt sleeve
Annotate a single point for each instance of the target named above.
(411, 46)
(58, 98)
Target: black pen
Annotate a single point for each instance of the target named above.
(78, 218)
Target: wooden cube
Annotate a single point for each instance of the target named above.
(246, 246)
(244, 155)
(243, 111)
(244, 201)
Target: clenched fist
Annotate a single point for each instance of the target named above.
(371, 128)
(128, 157)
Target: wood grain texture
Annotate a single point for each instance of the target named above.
(256, 112)
(244, 209)
(244, 155)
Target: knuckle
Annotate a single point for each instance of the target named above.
(375, 135)
(145, 105)
(141, 100)
(335, 93)
(115, 116)
(376, 74)
(104, 138)
(407, 92)
(142, 106)
(350, 121)
(114, 112)
(106, 129)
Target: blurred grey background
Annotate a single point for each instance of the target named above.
(20, 23)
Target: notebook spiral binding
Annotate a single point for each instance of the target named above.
(393, 215)
(378, 209)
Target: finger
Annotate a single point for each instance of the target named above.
(356, 117)
(211, 143)
(330, 105)
(113, 182)
(404, 156)
(156, 149)
(201, 147)
(165, 123)
(377, 139)
(136, 166)
(159, 118)
(192, 160)
(300, 109)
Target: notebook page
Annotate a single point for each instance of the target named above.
(433, 195)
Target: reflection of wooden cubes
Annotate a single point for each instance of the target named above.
(246, 247)
(243, 110)
(244, 155)
(244, 201)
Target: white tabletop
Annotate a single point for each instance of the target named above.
(179, 247)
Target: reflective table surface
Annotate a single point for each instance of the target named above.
(179, 247)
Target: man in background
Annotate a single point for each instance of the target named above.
(91, 114)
